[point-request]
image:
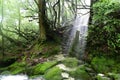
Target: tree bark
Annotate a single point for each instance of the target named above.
(41, 14)
(59, 10)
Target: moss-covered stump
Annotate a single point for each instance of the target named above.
(42, 67)
(80, 73)
(53, 74)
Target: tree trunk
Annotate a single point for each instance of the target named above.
(41, 7)
(59, 10)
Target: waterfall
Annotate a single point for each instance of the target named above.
(77, 38)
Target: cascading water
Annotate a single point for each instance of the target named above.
(80, 28)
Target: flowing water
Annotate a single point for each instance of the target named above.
(81, 25)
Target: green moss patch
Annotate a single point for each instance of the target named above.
(53, 74)
(41, 68)
(17, 67)
(80, 73)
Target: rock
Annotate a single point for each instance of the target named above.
(70, 78)
(53, 74)
(74, 45)
(38, 78)
(102, 77)
(41, 68)
(59, 57)
(63, 67)
(101, 74)
(65, 75)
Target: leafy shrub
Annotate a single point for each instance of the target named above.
(104, 32)
(102, 65)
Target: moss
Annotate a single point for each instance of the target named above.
(102, 65)
(5, 73)
(70, 62)
(80, 73)
(16, 64)
(17, 67)
(18, 70)
(41, 68)
(53, 74)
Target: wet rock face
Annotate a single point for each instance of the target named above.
(7, 62)
(65, 39)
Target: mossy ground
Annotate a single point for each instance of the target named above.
(53, 74)
(43, 67)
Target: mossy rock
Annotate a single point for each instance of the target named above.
(14, 68)
(99, 77)
(18, 70)
(80, 73)
(17, 67)
(41, 68)
(71, 62)
(5, 73)
(53, 74)
(102, 65)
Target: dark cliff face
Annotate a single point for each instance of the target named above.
(65, 38)
(5, 63)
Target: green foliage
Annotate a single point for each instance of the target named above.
(104, 32)
(41, 68)
(53, 74)
(102, 65)
(70, 62)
